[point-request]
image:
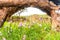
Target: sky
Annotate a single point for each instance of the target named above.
(30, 11)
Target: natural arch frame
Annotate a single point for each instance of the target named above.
(9, 7)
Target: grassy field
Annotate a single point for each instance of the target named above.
(28, 31)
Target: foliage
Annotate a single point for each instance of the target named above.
(28, 30)
(12, 31)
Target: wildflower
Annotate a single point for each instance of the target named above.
(2, 20)
(29, 26)
(0, 33)
(34, 22)
(24, 37)
(40, 25)
(11, 29)
(40, 18)
(10, 21)
(24, 24)
(20, 24)
(3, 38)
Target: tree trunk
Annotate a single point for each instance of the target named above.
(18, 3)
(3, 15)
(6, 12)
(55, 20)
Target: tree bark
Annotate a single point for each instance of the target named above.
(6, 12)
(15, 2)
(55, 17)
(19, 3)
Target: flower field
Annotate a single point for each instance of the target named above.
(29, 30)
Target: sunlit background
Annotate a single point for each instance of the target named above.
(30, 11)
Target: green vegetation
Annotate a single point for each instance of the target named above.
(28, 31)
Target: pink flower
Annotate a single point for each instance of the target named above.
(20, 24)
(40, 18)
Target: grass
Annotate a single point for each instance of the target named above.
(12, 31)
(28, 31)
